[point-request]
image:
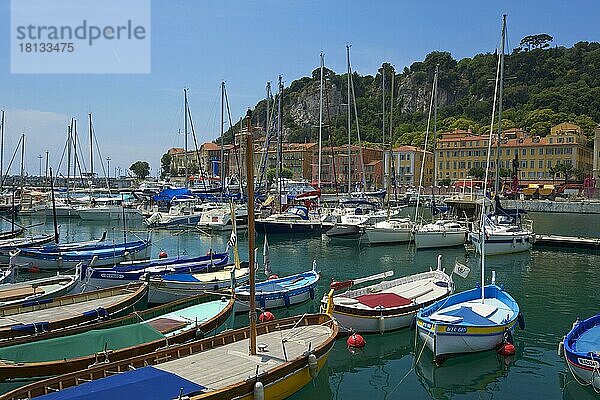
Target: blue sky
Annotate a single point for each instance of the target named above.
(196, 44)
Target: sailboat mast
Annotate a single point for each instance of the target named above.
(360, 148)
(424, 156)
(74, 152)
(251, 237)
(500, 93)
(222, 156)
(69, 142)
(22, 163)
(391, 165)
(487, 168)
(2, 149)
(435, 107)
(385, 169)
(320, 120)
(91, 146)
(349, 119)
(279, 140)
(185, 133)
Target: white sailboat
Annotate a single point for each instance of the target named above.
(440, 233)
(478, 319)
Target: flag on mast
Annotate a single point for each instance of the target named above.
(461, 269)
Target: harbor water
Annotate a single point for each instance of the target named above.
(552, 286)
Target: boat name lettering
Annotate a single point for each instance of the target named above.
(457, 329)
(112, 276)
(588, 363)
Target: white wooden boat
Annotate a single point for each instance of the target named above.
(388, 305)
(38, 289)
(394, 230)
(441, 233)
(171, 287)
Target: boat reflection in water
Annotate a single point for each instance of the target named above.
(571, 390)
(478, 372)
(374, 372)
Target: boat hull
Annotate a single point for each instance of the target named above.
(497, 244)
(164, 291)
(70, 259)
(580, 346)
(469, 334)
(443, 342)
(285, 297)
(109, 214)
(269, 227)
(434, 239)
(383, 235)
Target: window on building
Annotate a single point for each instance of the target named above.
(469, 165)
(523, 163)
(540, 164)
(531, 164)
(454, 164)
(532, 151)
(540, 151)
(408, 156)
(549, 165)
(499, 152)
(447, 164)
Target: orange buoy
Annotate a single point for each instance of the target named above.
(266, 316)
(33, 270)
(163, 254)
(356, 340)
(507, 349)
(273, 277)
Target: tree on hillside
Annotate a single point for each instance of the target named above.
(141, 169)
(165, 164)
(540, 41)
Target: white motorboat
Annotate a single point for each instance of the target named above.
(108, 209)
(219, 219)
(503, 239)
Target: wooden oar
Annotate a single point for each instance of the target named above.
(351, 282)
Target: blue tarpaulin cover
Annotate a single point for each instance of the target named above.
(146, 383)
(168, 194)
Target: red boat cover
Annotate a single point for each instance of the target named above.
(386, 300)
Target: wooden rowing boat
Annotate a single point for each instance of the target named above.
(149, 330)
(50, 314)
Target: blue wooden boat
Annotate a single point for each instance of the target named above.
(132, 271)
(280, 292)
(582, 351)
(101, 253)
(469, 322)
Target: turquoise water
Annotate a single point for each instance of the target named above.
(553, 287)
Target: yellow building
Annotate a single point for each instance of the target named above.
(459, 151)
(407, 161)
